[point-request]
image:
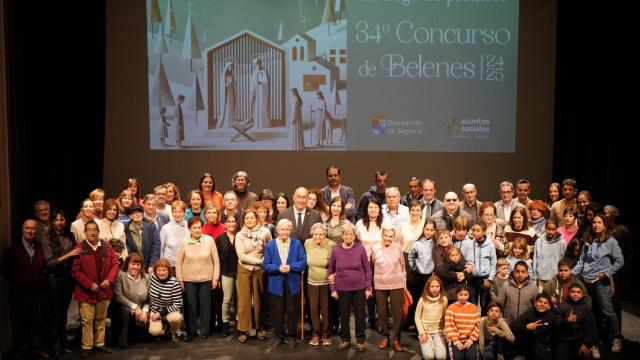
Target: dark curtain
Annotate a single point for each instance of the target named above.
(593, 136)
(56, 103)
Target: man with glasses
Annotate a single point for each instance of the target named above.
(444, 218)
(506, 204)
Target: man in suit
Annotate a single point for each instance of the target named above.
(335, 188)
(431, 204)
(151, 213)
(142, 237)
(506, 204)
(301, 216)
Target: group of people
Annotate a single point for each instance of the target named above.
(183, 269)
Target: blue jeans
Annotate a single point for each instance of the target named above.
(600, 291)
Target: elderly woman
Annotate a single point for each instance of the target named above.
(250, 243)
(350, 283)
(112, 230)
(165, 297)
(198, 271)
(336, 221)
(131, 293)
(494, 231)
(59, 251)
(228, 268)
(319, 250)
(389, 280)
(284, 262)
(87, 214)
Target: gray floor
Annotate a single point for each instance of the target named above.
(217, 347)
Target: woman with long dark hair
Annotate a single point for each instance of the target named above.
(59, 250)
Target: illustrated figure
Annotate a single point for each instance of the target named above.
(320, 123)
(179, 119)
(260, 93)
(164, 131)
(297, 132)
(228, 114)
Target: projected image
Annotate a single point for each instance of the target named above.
(247, 75)
(423, 75)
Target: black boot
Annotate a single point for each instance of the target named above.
(225, 329)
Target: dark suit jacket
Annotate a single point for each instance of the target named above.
(163, 219)
(311, 217)
(436, 205)
(150, 242)
(346, 193)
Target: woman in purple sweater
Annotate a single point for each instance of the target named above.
(350, 284)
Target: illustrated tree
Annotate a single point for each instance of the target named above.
(156, 15)
(190, 47)
(169, 21)
(329, 15)
(196, 101)
(161, 90)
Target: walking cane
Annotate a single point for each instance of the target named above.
(302, 306)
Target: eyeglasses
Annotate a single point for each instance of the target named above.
(450, 200)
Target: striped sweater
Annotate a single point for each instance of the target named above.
(165, 296)
(461, 322)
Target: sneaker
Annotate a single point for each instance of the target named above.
(616, 346)
(315, 340)
(344, 345)
(327, 341)
(595, 353)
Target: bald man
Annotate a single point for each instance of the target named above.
(23, 268)
(300, 215)
(444, 218)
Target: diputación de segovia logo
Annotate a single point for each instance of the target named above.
(378, 124)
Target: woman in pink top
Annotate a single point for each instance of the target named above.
(389, 281)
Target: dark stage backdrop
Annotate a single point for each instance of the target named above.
(127, 151)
